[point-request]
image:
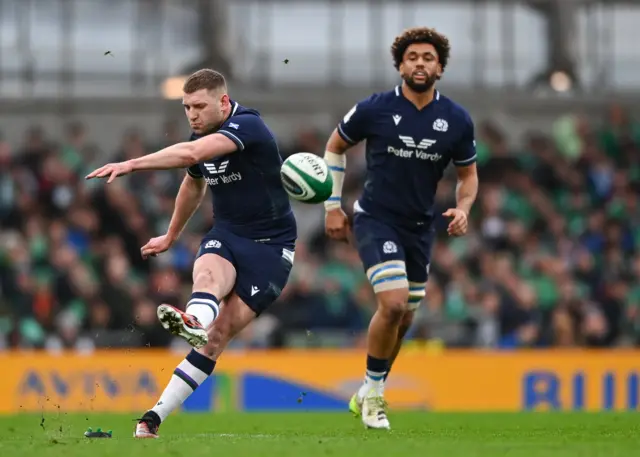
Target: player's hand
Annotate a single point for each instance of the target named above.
(459, 224)
(112, 170)
(336, 224)
(156, 246)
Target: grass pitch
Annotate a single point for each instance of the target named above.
(327, 434)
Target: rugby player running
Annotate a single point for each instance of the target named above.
(412, 132)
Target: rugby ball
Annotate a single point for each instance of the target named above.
(306, 178)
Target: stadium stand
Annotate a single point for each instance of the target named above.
(550, 260)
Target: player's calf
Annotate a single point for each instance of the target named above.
(382, 338)
(356, 402)
(417, 294)
(186, 378)
(236, 317)
(384, 326)
(389, 281)
(381, 343)
(405, 325)
(390, 284)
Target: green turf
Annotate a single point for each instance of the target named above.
(330, 434)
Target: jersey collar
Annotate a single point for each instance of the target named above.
(436, 93)
(234, 109)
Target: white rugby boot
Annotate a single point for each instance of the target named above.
(184, 325)
(355, 404)
(374, 412)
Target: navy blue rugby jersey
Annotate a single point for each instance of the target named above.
(407, 151)
(248, 197)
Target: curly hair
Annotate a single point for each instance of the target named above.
(420, 35)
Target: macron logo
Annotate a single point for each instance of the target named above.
(410, 143)
(211, 168)
(397, 118)
(254, 290)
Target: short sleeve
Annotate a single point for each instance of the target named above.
(465, 150)
(354, 126)
(194, 171)
(245, 130)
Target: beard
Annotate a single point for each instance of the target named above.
(420, 87)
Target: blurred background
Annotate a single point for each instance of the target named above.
(551, 257)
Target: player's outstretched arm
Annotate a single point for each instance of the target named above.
(188, 200)
(183, 155)
(180, 155)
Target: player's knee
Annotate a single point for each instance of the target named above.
(392, 304)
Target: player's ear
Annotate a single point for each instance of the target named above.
(225, 101)
(439, 71)
(401, 69)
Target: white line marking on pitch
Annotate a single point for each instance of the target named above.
(233, 435)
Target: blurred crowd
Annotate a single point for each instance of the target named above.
(550, 258)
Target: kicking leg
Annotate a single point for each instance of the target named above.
(259, 275)
(213, 278)
(198, 365)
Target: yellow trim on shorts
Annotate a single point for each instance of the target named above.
(387, 269)
(417, 293)
(388, 275)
